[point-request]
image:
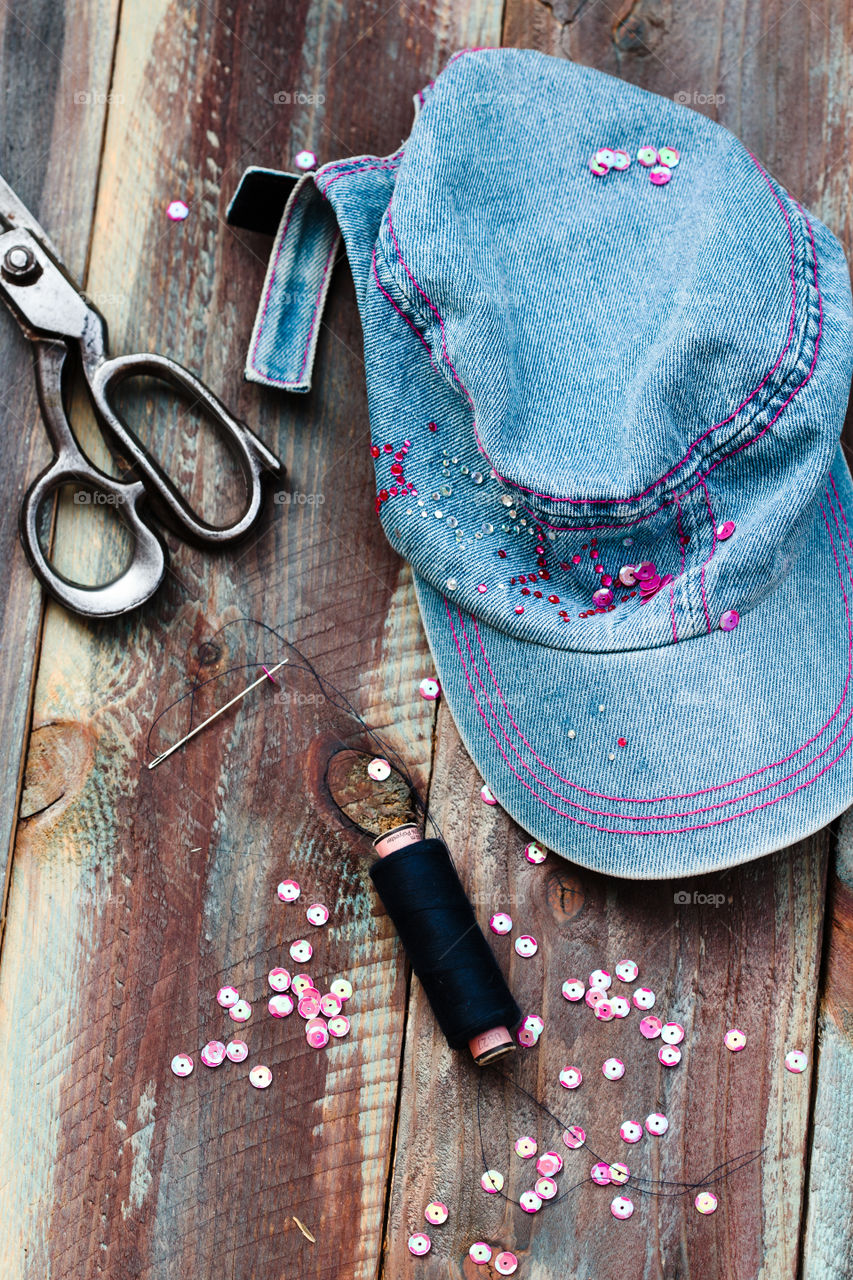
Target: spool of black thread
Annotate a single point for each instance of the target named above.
(424, 897)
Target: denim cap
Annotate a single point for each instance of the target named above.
(574, 376)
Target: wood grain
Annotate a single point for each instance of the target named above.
(750, 960)
(134, 895)
(54, 68)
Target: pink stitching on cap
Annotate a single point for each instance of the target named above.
(711, 553)
(655, 817)
(401, 313)
(720, 786)
(614, 501)
(366, 168)
(700, 826)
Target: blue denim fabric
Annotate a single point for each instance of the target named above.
(586, 371)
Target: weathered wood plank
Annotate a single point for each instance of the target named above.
(827, 1245)
(749, 961)
(54, 68)
(119, 935)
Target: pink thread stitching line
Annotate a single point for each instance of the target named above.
(268, 294)
(389, 168)
(710, 554)
(414, 330)
(613, 501)
(690, 795)
(715, 822)
(655, 817)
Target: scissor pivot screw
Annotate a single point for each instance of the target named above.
(21, 265)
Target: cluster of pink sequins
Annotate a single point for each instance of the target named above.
(607, 158)
(660, 163)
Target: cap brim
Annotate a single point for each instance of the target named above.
(735, 743)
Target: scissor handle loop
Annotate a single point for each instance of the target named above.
(256, 461)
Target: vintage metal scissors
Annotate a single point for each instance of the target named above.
(58, 319)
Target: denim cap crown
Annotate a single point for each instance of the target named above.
(617, 372)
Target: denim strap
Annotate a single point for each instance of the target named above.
(287, 325)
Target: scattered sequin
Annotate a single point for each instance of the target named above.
(630, 1131)
(317, 914)
(796, 1061)
(729, 620)
(492, 1181)
(309, 1005)
(330, 1006)
(429, 689)
(613, 1068)
(600, 1173)
(643, 998)
(619, 1173)
(620, 1006)
(177, 210)
(182, 1064)
(500, 922)
(600, 978)
(341, 988)
(647, 156)
(480, 1253)
(573, 989)
(734, 1040)
(526, 1147)
(660, 175)
(672, 1033)
(574, 1137)
(236, 1051)
(669, 1055)
(599, 169)
(213, 1053)
(650, 1027)
(656, 1124)
(526, 945)
(227, 997)
(241, 1011)
(534, 853)
(549, 1163)
(706, 1202)
(301, 950)
(279, 979)
(305, 160)
(288, 890)
(669, 156)
(621, 160)
(725, 530)
(379, 769)
(571, 1078)
(530, 1202)
(419, 1244)
(594, 996)
(300, 984)
(436, 1212)
(260, 1077)
(506, 1263)
(280, 1006)
(604, 1011)
(621, 1207)
(626, 970)
(339, 1026)
(486, 796)
(317, 1033)
(545, 1188)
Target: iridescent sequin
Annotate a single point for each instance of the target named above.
(182, 1064)
(429, 689)
(213, 1053)
(480, 1253)
(241, 1011)
(419, 1244)
(317, 1033)
(650, 1027)
(549, 1163)
(288, 890)
(260, 1077)
(526, 1147)
(672, 1033)
(619, 1173)
(177, 210)
(534, 853)
(729, 620)
(330, 1006)
(669, 156)
(669, 1055)
(660, 175)
(600, 978)
(506, 1263)
(604, 1011)
(500, 922)
(526, 945)
(621, 1207)
(317, 914)
(305, 160)
(280, 1006)
(573, 989)
(227, 997)
(643, 998)
(647, 156)
(486, 795)
(341, 988)
(630, 1131)
(574, 1137)
(620, 1006)
(301, 951)
(530, 1202)
(621, 160)
(379, 769)
(600, 1174)
(656, 1124)
(236, 1051)
(796, 1061)
(436, 1212)
(492, 1181)
(545, 1188)
(279, 979)
(613, 1069)
(735, 1040)
(706, 1202)
(626, 971)
(571, 1078)
(339, 1026)
(725, 530)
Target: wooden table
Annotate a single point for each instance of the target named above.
(131, 896)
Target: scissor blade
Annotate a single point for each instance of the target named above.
(14, 215)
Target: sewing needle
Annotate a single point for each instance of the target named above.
(268, 675)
